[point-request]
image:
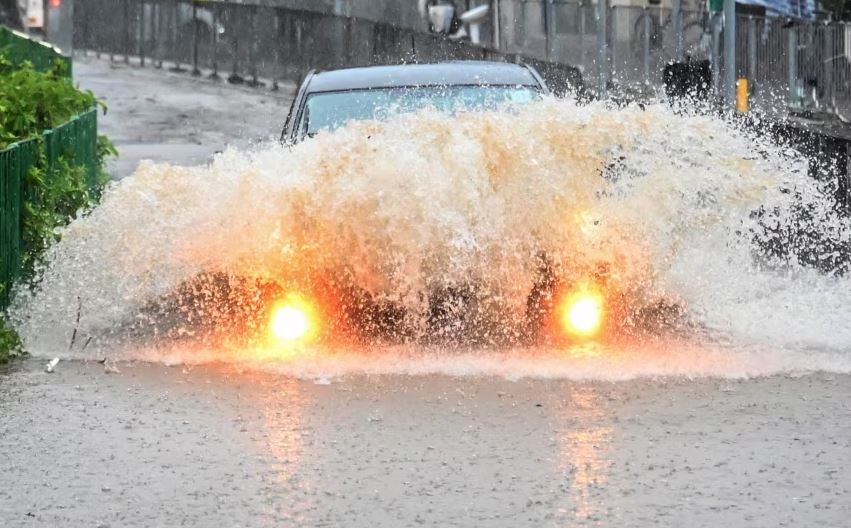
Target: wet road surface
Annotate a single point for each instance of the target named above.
(154, 445)
(175, 117)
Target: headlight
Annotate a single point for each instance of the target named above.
(293, 320)
(582, 313)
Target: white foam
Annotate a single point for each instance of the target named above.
(659, 358)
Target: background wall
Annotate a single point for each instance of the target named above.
(9, 14)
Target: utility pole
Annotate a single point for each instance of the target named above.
(497, 39)
(602, 49)
(730, 55)
(677, 21)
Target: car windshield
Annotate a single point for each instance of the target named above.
(330, 110)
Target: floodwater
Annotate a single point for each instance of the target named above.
(736, 415)
(214, 445)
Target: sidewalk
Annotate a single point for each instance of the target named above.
(174, 117)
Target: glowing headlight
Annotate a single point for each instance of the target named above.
(582, 314)
(293, 320)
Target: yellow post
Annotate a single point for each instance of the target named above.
(742, 95)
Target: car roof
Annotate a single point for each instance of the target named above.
(440, 74)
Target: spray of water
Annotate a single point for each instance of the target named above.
(674, 207)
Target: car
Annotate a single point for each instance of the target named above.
(333, 306)
(573, 305)
(557, 306)
(565, 303)
(327, 100)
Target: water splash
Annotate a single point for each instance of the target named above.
(667, 202)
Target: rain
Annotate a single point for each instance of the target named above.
(426, 263)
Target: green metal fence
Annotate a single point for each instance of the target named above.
(15, 161)
(18, 48)
(75, 142)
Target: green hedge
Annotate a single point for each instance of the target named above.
(51, 162)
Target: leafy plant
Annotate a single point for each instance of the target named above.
(10, 343)
(30, 103)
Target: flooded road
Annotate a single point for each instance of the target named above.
(736, 414)
(164, 116)
(154, 445)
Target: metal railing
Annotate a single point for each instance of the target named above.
(621, 49)
(17, 48)
(15, 162)
(623, 45)
(248, 43)
(788, 64)
(805, 65)
(73, 142)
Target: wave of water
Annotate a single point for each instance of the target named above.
(668, 201)
(652, 359)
